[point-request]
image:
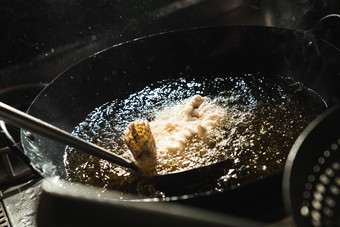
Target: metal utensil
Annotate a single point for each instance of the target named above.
(20, 119)
(311, 182)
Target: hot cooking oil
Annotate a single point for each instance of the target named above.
(262, 116)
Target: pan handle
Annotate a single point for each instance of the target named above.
(22, 120)
(327, 29)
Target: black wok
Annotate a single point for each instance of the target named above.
(129, 67)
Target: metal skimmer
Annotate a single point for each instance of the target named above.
(312, 173)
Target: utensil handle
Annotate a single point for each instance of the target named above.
(20, 119)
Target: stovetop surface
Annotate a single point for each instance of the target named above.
(21, 203)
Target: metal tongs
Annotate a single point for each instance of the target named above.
(22, 120)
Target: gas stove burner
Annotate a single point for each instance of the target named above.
(15, 166)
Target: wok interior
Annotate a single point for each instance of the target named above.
(129, 67)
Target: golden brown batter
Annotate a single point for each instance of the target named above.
(172, 132)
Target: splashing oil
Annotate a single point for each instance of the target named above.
(265, 114)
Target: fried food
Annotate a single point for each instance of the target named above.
(171, 131)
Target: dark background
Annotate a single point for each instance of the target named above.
(42, 38)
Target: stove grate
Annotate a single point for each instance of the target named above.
(15, 167)
(4, 222)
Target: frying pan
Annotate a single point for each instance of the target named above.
(127, 68)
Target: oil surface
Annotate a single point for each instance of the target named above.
(266, 113)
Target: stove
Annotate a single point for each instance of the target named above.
(46, 37)
(20, 184)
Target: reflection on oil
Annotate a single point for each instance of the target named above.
(265, 114)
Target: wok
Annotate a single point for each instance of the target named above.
(127, 68)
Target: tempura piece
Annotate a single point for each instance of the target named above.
(173, 129)
(141, 143)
